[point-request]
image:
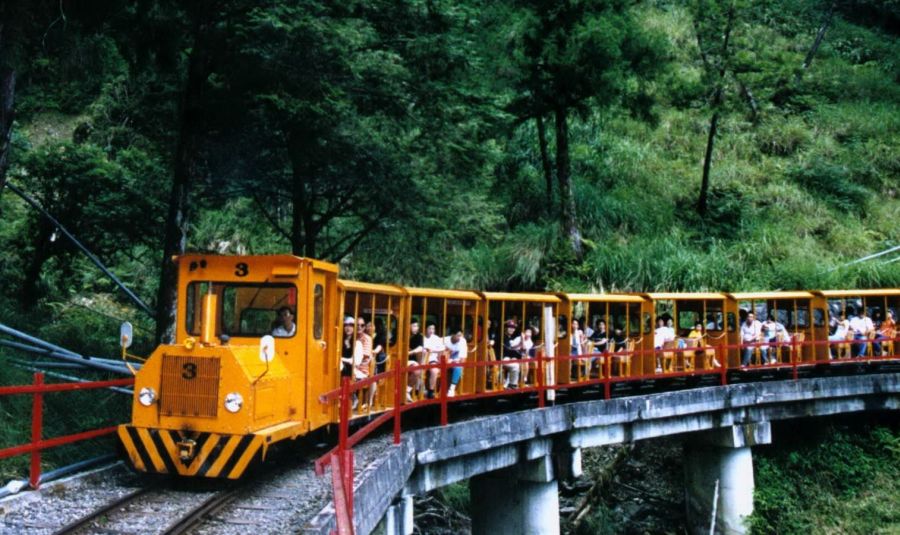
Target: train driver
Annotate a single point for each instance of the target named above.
(284, 324)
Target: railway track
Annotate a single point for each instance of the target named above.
(141, 508)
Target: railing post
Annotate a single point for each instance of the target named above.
(443, 386)
(344, 423)
(347, 468)
(795, 355)
(37, 422)
(540, 377)
(607, 362)
(723, 362)
(399, 374)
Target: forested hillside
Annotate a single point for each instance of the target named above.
(509, 144)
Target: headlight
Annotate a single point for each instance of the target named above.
(147, 396)
(234, 402)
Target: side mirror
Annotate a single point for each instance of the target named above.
(126, 335)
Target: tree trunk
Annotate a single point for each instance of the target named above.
(704, 185)
(567, 196)
(186, 171)
(545, 159)
(7, 114)
(42, 253)
(303, 229)
(7, 92)
(718, 97)
(815, 46)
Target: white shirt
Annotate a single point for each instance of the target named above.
(282, 332)
(662, 335)
(434, 346)
(862, 325)
(458, 351)
(750, 333)
(841, 330)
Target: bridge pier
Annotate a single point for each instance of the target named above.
(522, 499)
(718, 473)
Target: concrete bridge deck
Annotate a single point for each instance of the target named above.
(531, 449)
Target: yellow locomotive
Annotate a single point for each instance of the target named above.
(225, 391)
(235, 382)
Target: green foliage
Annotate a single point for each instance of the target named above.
(843, 480)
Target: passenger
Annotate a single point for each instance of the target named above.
(365, 366)
(458, 347)
(375, 330)
(285, 325)
(576, 342)
(600, 338)
(526, 347)
(769, 333)
(841, 328)
(512, 350)
(434, 347)
(887, 331)
(415, 358)
(588, 332)
(618, 342)
(711, 324)
(751, 333)
(664, 333)
(698, 334)
(351, 350)
(861, 326)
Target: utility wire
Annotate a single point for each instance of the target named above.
(869, 257)
(93, 258)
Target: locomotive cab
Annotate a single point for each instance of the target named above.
(251, 337)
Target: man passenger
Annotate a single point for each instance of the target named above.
(457, 346)
(861, 326)
(751, 333)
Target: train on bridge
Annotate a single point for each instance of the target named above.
(260, 341)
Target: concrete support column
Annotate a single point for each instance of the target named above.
(519, 500)
(398, 519)
(718, 474)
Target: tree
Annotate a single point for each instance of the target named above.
(186, 169)
(713, 24)
(568, 54)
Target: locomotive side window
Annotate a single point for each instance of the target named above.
(318, 311)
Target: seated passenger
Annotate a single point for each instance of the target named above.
(600, 338)
(861, 326)
(751, 333)
(415, 357)
(618, 342)
(458, 348)
(526, 348)
(887, 331)
(285, 325)
(434, 347)
(697, 334)
(512, 350)
(841, 329)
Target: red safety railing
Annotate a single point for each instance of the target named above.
(340, 458)
(38, 443)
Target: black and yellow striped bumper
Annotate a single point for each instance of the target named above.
(213, 455)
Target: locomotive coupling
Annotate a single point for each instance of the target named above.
(187, 450)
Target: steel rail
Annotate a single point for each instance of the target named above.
(84, 521)
(195, 516)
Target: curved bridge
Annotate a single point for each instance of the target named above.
(514, 460)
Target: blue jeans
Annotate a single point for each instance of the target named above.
(859, 349)
(876, 345)
(746, 356)
(455, 374)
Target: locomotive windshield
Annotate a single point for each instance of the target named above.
(245, 310)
